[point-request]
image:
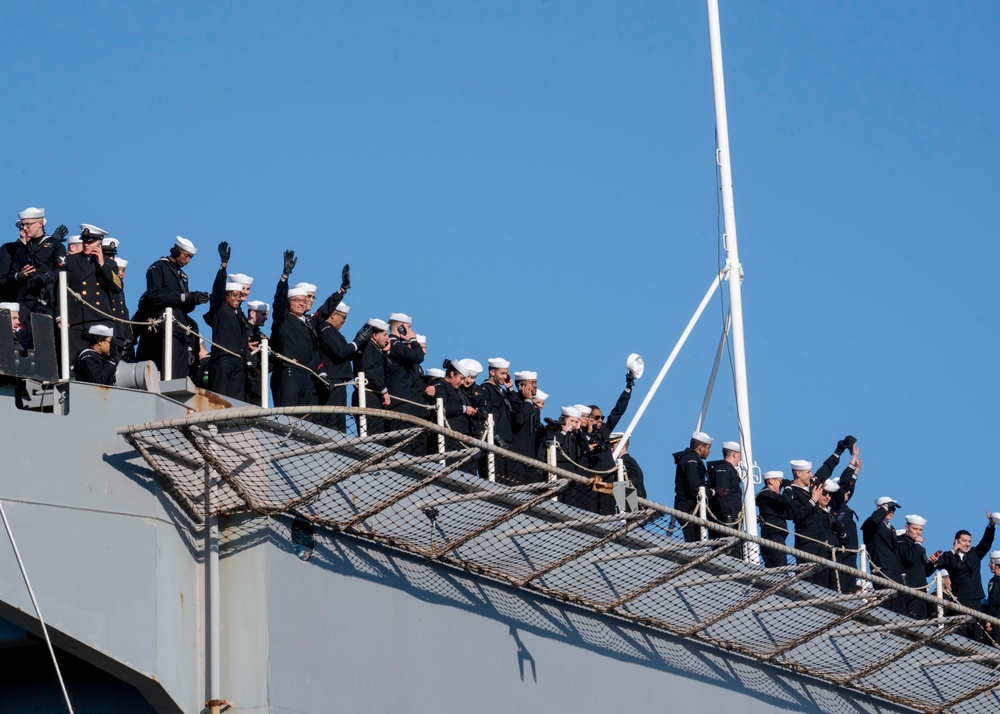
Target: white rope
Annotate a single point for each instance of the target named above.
(38, 611)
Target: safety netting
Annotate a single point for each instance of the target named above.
(407, 483)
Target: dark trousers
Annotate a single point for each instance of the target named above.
(151, 348)
(774, 558)
(227, 376)
(692, 532)
(295, 388)
(336, 398)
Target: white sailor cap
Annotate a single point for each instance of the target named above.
(122, 263)
(995, 557)
(110, 243)
(800, 465)
(73, 240)
(525, 376)
(30, 214)
(182, 243)
(435, 372)
(308, 287)
(343, 308)
(541, 396)
(421, 339)
(258, 306)
(916, 520)
(884, 500)
(731, 446)
(234, 287)
(571, 412)
(768, 475)
(702, 438)
(378, 324)
(101, 331)
(583, 409)
(12, 306)
(293, 292)
(461, 368)
(831, 486)
(497, 363)
(241, 278)
(475, 369)
(400, 317)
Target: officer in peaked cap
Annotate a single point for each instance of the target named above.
(167, 286)
(95, 278)
(690, 476)
(917, 565)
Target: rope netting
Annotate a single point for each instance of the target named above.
(559, 533)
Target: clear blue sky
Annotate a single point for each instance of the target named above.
(537, 181)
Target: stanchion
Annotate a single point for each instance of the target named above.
(703, 510)
(264, 366)
(168, 344)
(491, 473)
(63, 325)
(439, 413)
(361, 385)
(939, 592)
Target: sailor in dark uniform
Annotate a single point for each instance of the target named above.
(294, 338)
(257, 311)
(167, 286)
(124, 335)
(993, 596)
(458, 410)
(371, 360)
(846, 515)
(917, 565)
(22, 338)
(962, 563)
(9, 278)
(880, 542)
(526, 425)
(231, 335)
(405, 376)
(691, 475)
(337, 355)
(567, 446)
(725, 502)
(773, 509)
(633, 472)
(36, 261)
(816, 530)
(95, 278)
(474, 394)
(603, 426)
(94, 363)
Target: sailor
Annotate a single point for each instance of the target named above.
(773, 508)
(337, 354)
(458, 410)
(167, 286)
(725, 502)
(690, 477)
(124, 345)
(962, 564)
(404, 378)
(94, 277)
(257, 311)
(227, 374)
(993, 596)
(602, 428)
(633, 472)
(474, 394)
(432, 376)
(94, 363)
(295, 340)
(561, 432)
(845, 514)
(880, 542)
(371, 359)
(495, 391)
(74, 244)
(36, 260)
(525, 422)
(818, 532)
(917, 565)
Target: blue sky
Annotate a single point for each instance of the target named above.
(537, 181)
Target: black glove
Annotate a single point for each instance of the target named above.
(224, 252)
(345, 278)
(629, 379)
(290, 261)
(198, 297)
(59, 233)
(786, 482)
(364, 334)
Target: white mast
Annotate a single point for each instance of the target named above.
(734, 274)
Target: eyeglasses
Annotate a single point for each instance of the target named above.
(597, 417)
(22, 225)
(298, 299)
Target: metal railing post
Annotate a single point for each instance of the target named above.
(439, 418)
(863, 566)
(168, 344)
(63, 325)
(265, 364)
(550, 459)
(703, 510)
(621, 471)
(491, 463)
(939, 592)
(361, 386)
